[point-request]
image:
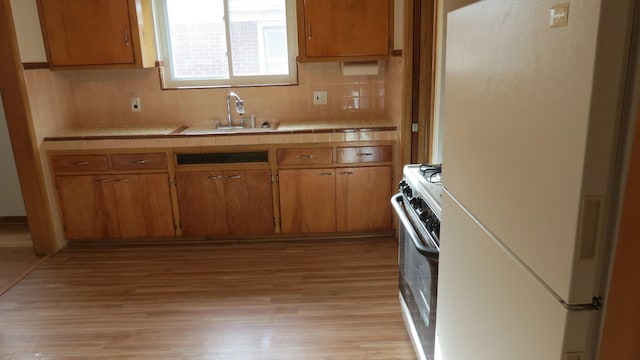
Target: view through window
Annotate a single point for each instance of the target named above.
(227, 42)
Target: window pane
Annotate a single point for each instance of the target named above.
(258, 37)
(197, 39)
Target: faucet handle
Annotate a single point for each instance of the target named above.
(240, 107)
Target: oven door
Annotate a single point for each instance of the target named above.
(418, 261)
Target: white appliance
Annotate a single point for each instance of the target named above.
(531, 110)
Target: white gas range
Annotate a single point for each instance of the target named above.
(417, 205)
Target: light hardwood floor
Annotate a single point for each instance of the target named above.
(328, 299)
(17, 257)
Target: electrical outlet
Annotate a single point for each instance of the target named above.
(136, 105)
(320, 98)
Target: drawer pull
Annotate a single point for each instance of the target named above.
(81, 163)
(234, 177)
(215, 177)
(141, 162)
(121, 180)
(326, 174)
(304, 157)
(103, 180)
(345, 173)
(365, 154)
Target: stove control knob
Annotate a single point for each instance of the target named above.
(407, 192)
(415, 202)
(402, 185)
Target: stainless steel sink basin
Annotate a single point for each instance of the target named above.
(224, 130)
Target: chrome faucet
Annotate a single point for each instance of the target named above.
(239, 106)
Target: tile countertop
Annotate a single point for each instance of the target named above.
(161, 132)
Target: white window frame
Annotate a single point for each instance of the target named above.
(164, 54)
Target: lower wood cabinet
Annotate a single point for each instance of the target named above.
(307, 200)
(363, 196)
(225, 202)
(335, 199)
(116, 206)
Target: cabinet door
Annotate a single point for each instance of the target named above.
(342, 28)
(249, 201)
(307, 200)
(88, 206)
(201, 201)
(144, 205)
(87, 32)
(362, 198)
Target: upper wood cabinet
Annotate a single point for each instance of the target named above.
(340, 30)
(97, 33)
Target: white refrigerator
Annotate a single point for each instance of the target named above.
(532, 100)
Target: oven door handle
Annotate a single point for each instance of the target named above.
(429, 252)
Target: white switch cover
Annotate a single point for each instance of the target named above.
(136, 105)
(559, 15)
(320, 98)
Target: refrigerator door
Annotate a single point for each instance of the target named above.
(491, 308)
(529, 130)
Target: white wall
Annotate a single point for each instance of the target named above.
(27, 24)
(11, 203)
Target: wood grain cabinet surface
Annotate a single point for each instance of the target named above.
(335, 199)
(362, 198)
(364, 154)
(305, 156)
(225, 202)
(97, 33)
(139, 161)
(339, 30)
(307, 200)
(116, 206)
(80, 162)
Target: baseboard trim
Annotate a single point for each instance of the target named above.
(13, 220)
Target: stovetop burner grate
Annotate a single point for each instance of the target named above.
(432, 172)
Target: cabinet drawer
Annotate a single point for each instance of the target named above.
(139, 161)
(79, 162)
(364, 154)
(305, 156)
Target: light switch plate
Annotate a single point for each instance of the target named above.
(559, 15)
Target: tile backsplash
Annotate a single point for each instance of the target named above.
(101, 98)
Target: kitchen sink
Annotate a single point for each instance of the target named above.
(224, 130)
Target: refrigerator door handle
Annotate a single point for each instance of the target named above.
(428, 252)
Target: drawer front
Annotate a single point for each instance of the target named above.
(364, 154)
(139, 161)
(305, 156)
(79, 162)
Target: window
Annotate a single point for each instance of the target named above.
(226, 42)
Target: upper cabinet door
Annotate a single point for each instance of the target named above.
(344, 29)
(88, 32)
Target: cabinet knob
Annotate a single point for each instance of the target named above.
(309, 31)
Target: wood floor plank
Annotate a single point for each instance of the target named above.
(328, 299)
(17, 257)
